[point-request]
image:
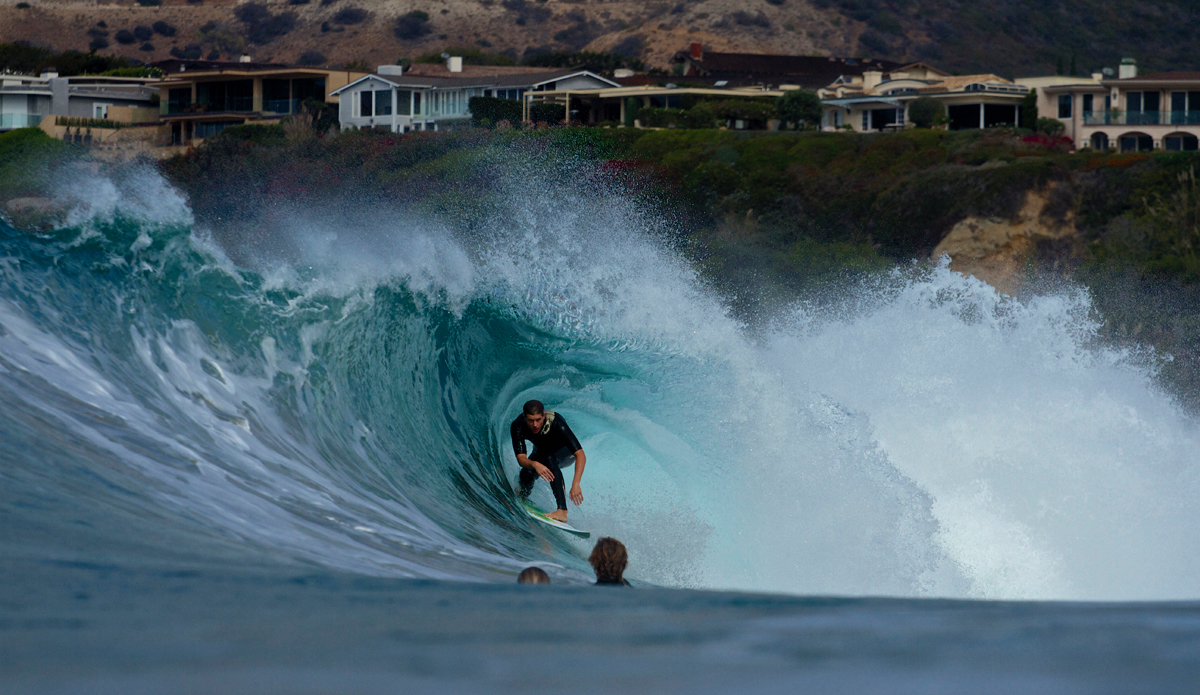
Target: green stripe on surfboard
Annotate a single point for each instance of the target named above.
(533, 511)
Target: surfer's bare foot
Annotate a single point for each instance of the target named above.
(560, 515)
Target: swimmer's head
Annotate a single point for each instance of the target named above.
(609, 559)
(533, 575)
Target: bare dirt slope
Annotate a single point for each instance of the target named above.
(652, 31)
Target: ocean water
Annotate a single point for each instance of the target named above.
(276, 461)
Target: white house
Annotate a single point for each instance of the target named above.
(437, 96)
(1132, 113)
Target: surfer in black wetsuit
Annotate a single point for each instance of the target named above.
(554, 445)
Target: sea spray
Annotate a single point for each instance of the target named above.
(338, 390)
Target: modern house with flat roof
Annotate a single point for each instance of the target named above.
(199, 103)
(25, 99)
(437, 96)
(879, 101)
(1131, 113)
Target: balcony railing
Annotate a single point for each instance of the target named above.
(1142, 118)
(20, 120)
(281, 105)
(231, 105)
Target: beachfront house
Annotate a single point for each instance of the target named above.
(437, 96)
(879, 101)
(1131, 113)
(25, 100)
(200, 99)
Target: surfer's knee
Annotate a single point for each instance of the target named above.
(533, 575)
(609, 560)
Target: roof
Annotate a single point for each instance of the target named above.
(173, 65)
(650, 90)
(487, 76)
(1167, 77)
(807, 71)
(958, 82)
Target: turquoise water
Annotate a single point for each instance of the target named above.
(210, 410)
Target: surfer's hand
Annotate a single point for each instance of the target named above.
(544, 472)
(576, 495)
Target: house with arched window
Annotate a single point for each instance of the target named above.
(1131, 113)
(878, 101)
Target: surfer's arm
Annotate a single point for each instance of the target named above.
(576, 492)
(542, 471)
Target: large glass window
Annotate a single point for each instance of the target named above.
(403, 103)
(417, 110)
(383, 102)
(1064, 105)
(235, 95)
(366, 103)
(1087, 103)
(277, 96)
(179, 100)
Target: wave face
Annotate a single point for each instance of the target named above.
(341, 392)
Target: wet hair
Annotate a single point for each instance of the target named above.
(533, 575)
(609, 559)
(533, 408)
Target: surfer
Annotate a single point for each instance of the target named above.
(554, 445)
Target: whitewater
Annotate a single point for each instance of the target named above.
(336, 390)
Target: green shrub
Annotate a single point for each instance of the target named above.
(633, 105)
(926, 112)
(744, 110)
(548, 113)
(661, 118)
(701, 115)
(801, 107)
(1050, 126)
(26, 156)
(259, 134)
(493, 110)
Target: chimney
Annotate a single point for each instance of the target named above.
(244, 58)
(871, 79)
(390, 70)
(49, 74)
(697, 51)
(454, 63)
(1097, 76)
(1128, 69)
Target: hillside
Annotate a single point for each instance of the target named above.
(1015, 38)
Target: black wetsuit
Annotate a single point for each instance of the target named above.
(550, 449)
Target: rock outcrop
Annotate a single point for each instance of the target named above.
(1002, 252)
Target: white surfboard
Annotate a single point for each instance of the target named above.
(540, 515)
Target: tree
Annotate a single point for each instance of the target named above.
(801, 107)
(1029, 111)
(926, 112)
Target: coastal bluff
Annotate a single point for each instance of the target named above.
(999, 251)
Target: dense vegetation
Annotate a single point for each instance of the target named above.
(32, 60)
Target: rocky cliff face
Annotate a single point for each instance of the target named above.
(1001, 252)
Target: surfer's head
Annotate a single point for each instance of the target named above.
(609, 559)
(533, 575)
(535, 415)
